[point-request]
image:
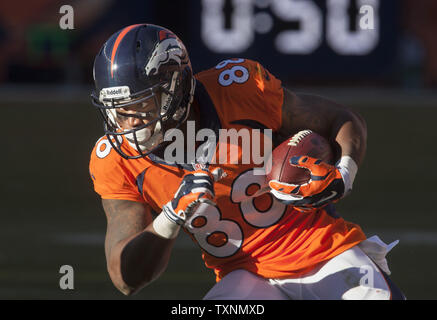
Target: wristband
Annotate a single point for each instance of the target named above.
(164, 227)
(348, 169)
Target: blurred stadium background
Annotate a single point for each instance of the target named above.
(50, 215)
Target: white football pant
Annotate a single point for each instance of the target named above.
(352, 275)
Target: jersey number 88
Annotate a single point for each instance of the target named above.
(223, 237)
(237, 74)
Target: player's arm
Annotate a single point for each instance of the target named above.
(341, 126)
(137, 249)
(135, 254)
(329, 119)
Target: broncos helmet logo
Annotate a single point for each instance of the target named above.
(168, 49)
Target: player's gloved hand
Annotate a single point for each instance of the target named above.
(327, 184)
(196, 187)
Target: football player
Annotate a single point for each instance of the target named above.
(263, 239)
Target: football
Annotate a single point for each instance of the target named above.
(305, 142)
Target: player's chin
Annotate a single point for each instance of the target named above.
(142, 143)
(144, 140)
(141, 135)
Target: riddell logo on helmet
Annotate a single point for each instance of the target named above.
(115, 92)
(231, 146)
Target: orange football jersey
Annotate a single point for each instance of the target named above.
(248, 229)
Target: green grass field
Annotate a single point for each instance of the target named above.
(51, 217)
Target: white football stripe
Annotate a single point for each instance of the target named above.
(200, 190)
(200, 174)
(285, 196)
(202, 181)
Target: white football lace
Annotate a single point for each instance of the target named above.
(298, 137)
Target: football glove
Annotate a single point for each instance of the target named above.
(196, 187)
(326, 185)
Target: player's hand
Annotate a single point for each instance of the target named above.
(325, 185)
(196, 187)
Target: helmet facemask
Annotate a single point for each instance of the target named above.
(171, 110)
